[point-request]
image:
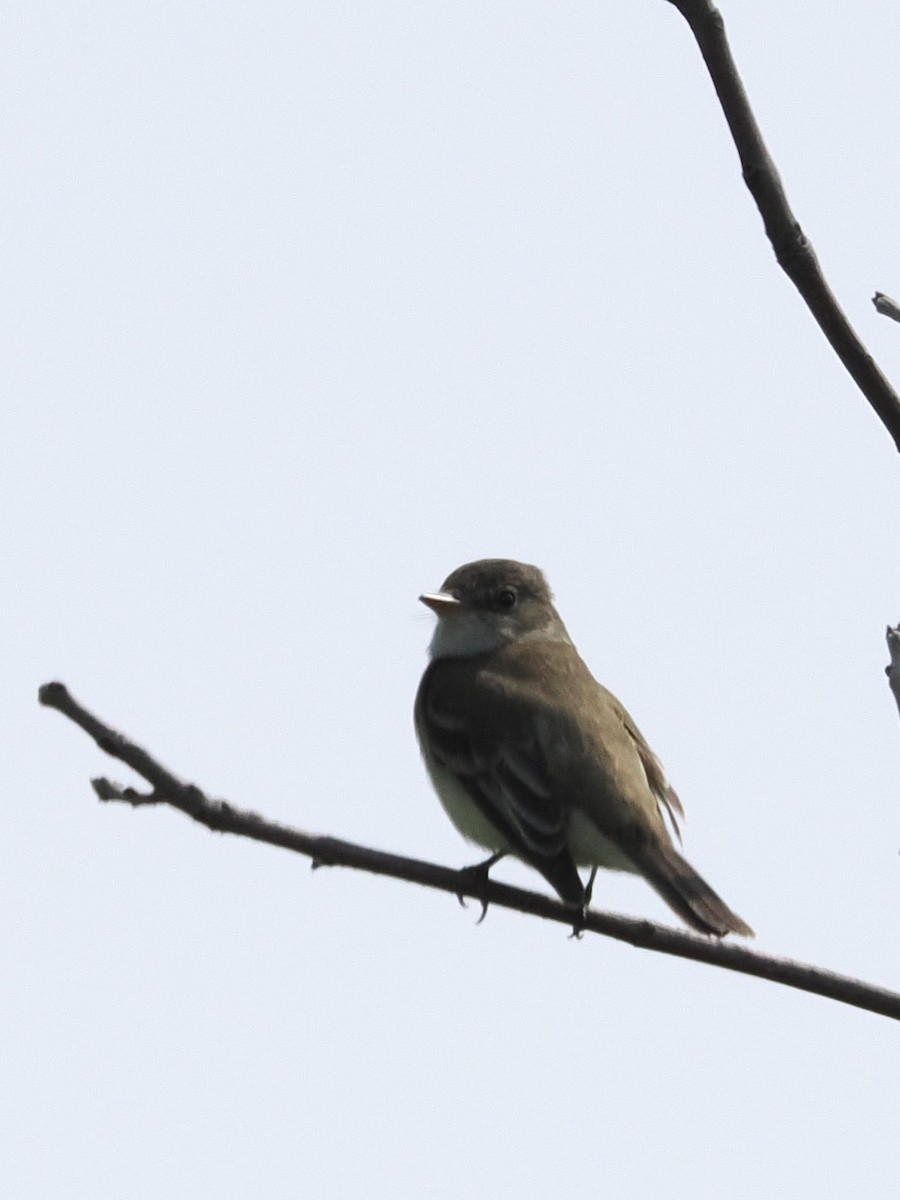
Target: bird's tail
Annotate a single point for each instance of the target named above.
(687, 892)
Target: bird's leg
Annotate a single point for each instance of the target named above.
(578, 924)
(477, 877)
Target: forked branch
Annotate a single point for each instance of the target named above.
(327, 851)
(792, 247)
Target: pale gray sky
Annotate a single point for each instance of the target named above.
(304, 305)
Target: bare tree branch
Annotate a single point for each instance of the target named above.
(886, 306)
(793, 249)
(893, 670)
(327, 851)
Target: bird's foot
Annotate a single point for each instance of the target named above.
(582, 911)
(476, 878)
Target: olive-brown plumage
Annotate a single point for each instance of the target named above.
(531, 756)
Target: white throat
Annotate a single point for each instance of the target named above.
(467, 633)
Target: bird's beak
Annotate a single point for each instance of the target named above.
(439, 602)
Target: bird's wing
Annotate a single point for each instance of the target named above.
(666, 796)
(505, 773)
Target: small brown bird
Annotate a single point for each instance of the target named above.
(531, 756)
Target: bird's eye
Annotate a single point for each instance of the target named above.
(506, 599)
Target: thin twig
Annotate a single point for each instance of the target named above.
(893, 669)
(793, 249)
(327, 851)
(886, 306)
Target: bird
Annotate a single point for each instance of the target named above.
(531, 756)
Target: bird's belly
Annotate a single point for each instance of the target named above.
(463, 811)
(590, 848)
